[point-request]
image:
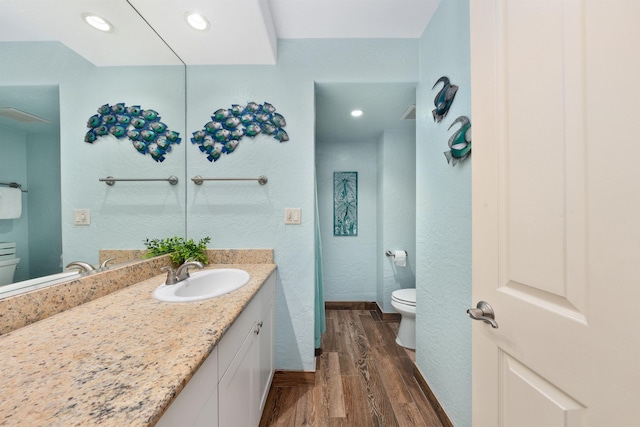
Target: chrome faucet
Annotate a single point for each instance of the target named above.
(105, 264)
(174, 276)
(171, 275)
(82, 266)
(182, 272)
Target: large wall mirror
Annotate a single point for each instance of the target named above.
(63, 72)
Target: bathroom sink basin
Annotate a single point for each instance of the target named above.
(203, 285)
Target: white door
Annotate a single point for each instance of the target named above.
(556, 212)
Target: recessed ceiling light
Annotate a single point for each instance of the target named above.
(197, 21)
(356, 113)
(97, 22)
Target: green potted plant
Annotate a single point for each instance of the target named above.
(178, 249)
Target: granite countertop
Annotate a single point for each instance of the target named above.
(118, 360)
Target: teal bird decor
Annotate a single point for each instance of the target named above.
(443, 99)
(460, 142)
(147, 133)
(228, 126)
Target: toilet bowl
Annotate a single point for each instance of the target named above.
(404, 302)
(8, 262)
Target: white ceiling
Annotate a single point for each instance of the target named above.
(242, 31)
(154, 32)
(382, 104)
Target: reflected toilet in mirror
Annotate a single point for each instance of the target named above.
(8, 262)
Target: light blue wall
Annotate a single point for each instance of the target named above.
(45, 222)
(244, 215)
(233, 214)
(397, 213)
(443, 352)
(124, 215)
(33, 160)
(349, 261)
(13, 168)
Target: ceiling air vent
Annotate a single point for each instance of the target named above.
(409, 114)
(21, 116)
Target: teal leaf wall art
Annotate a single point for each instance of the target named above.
(143, 128)
(228, 126)
(460, 141)
(345, 203)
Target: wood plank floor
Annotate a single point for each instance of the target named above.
(363, 379)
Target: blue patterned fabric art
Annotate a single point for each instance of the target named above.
(345, 203)
(143, 128)
(229, 125)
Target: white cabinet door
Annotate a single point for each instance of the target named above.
(266, 362)
(236, 389)
(556, 202)
(266, 366)
(197, 403)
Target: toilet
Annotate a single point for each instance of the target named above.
(8, 262)
(404, 302)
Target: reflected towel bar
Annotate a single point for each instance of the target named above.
(198, 180)
(173, 180)
(389, 253)
(14, 185)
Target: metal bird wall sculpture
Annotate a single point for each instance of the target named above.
(443, 99)
(460, 142)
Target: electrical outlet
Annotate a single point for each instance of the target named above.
(81, 217)
(293, 216)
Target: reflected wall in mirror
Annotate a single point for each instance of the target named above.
(30, 156)
(64, 72)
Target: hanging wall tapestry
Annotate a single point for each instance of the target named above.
(143, 128)
(228, 125)
(460, 142)
(443, 99)
(345, 203)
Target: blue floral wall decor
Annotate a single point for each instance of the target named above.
(229, 125)
(143, 128)
(345, 203)
(443, 99)
(460, 141)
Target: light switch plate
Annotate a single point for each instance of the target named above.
(81, 217)
(292, 216)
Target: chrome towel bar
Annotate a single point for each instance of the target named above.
(14, 185)
(173, 180)
(198, 180)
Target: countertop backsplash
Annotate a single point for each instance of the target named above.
(29, 307)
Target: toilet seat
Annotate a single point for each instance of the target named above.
(8, 262)
(404, 302)
(404, 296)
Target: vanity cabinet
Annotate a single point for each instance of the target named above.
(231, 386)
(244, 385)
(197, 403)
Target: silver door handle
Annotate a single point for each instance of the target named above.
(484, 312)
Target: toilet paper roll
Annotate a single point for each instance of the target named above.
(400, 258)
